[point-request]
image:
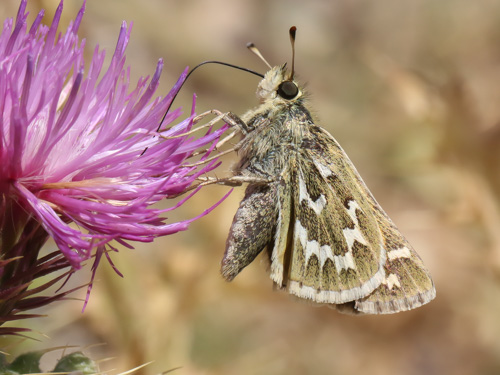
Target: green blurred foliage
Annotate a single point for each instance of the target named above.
(29, 363)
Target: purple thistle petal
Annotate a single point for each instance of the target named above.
(72, 140)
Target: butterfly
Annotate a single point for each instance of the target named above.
(327, 238)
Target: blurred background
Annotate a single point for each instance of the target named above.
(410, 90)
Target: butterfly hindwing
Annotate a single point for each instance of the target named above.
(407, 284)
(252, 229)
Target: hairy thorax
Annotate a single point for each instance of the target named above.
(269, 145)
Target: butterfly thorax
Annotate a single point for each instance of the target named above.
(276, 130)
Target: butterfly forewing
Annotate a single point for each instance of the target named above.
(407, 283)
(337, 253)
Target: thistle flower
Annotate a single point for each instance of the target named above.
(72, 160)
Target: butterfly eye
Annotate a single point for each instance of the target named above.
(288, 90)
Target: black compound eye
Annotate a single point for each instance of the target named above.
(288, 90)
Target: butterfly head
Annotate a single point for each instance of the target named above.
(278, 85)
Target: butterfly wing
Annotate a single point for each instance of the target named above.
(407, 283)
(328, 247)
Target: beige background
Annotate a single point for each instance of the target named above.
(411, 90)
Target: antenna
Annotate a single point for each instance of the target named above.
(256, 51)
(191, 71)
(196, 67)
(292, 32)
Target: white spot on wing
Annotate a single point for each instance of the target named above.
(323, 169)
(391, 281)
(403, 252)
(323, 252)
(304, 196)
(353, 234)
(344, 261)
(353, 206)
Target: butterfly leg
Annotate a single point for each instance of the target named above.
(235, 180)
(229, 181)
(228, 117)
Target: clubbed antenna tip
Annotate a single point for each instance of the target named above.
(293, 31)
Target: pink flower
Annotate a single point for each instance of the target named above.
(72, 150)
